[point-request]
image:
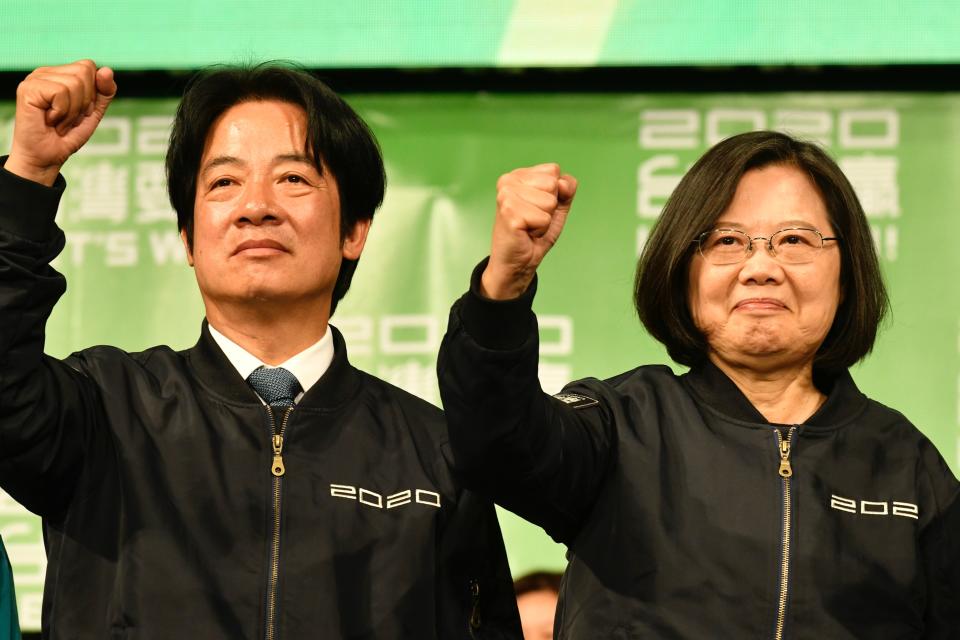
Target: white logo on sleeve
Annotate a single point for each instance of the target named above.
(379, 501)
(576, 400)
(875, 508)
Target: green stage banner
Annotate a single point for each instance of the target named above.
(186, 34)
(129, 285)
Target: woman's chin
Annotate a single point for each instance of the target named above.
(759, 352)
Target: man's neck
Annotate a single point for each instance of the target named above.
(272, 336)
(784, 395)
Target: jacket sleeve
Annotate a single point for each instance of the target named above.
(940, 546)
(530, 452)
(45, 406)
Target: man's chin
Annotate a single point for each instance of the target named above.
(270, 295)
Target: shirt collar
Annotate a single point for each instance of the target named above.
(308, 366)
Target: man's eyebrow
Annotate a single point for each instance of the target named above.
(219, 161)
(293, 157)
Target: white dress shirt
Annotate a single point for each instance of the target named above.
(307, 366)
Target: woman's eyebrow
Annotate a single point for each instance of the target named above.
(783, 224)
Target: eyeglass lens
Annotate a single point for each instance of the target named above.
(729, 246)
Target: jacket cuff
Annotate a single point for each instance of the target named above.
(500, 325)
(27, 208)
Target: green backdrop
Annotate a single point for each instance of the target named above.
(185, 34)
(129, 286)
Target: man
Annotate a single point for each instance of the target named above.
(180, 502)
(537, 595)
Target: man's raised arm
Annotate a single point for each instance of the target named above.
(46, 408)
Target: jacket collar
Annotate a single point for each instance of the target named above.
(213, 370)
(713, 388)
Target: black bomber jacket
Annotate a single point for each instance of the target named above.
(687, 515)
(163, 518)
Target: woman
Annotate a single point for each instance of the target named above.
(760, 495)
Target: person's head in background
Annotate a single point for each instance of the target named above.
(537, 594)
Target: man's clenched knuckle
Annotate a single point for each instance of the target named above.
(508, 205)
(550, 169)
(516, 223)
(503, 195)
(72, 83)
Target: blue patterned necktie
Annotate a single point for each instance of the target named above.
(278, 387)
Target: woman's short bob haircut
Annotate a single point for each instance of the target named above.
(704, 193)
(339, 141)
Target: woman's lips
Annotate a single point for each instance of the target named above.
(760, 304)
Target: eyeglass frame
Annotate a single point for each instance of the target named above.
(748, 250)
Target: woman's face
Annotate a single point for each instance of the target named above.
(760, 313)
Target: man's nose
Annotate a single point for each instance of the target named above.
(259, 205)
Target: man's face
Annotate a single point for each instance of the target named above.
(266, 224)
(537, 611)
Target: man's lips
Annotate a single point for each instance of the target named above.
(760, 304)
(264, 247)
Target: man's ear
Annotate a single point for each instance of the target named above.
(354, 241)
(186, 246)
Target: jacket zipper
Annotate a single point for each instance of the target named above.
(786, 473)
(277, 469)
(475, 608)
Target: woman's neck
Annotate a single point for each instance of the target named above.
(785, 395)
